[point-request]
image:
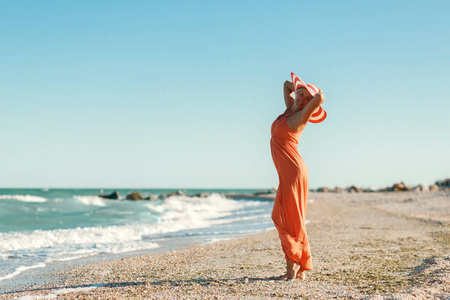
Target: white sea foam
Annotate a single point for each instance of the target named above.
(21, 269)
(56, 293)
(180, 207)
(52, 238)
(23, 198)
(90, 200)
(179, 213)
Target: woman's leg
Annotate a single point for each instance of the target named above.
(292, 269)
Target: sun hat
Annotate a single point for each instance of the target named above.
(319, 114)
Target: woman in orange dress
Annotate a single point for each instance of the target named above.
(289, 210)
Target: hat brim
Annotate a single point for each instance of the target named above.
(319, 114)
(298, 83)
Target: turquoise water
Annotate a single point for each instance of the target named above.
(71, 208)
(40, 227)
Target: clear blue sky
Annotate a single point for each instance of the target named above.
(183, 93)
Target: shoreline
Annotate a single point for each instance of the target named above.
(364, 246)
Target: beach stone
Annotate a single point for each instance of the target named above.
(434, 188)
(422, 188)
(135, 196)
(370, 189)
(114, 195)
(401, 187)
(338, 189)
(443, 183)
(354, 189)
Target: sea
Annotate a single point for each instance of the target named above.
(42, 230)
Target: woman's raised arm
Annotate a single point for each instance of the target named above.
(288, 89)
(299, 120)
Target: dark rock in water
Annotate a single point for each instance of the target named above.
(115, 195)
(271, 191)
(151, 197)
(176, 193)
(322, 190)
(264, 194)
(135, 196)
(202, 195)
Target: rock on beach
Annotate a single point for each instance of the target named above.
(114, 195)
(135, 196)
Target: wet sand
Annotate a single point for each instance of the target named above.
(364, 246)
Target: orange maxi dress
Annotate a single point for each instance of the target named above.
(289, 209)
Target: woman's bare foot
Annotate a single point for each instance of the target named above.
(301, 275)
(295, 267)
(292, 269)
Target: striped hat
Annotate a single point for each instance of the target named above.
(319, 114)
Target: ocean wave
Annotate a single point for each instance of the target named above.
(90, 200)
(195, 210)
(187, 215)
(23, 198)
(51, 238)
(178, 213)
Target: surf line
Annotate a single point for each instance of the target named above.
(56, 293)
(21, 269)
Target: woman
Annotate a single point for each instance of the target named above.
(289, 208)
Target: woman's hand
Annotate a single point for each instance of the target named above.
(319, 96)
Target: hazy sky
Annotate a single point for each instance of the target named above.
(183, 93)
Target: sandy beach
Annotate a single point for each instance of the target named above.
(364, 246)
